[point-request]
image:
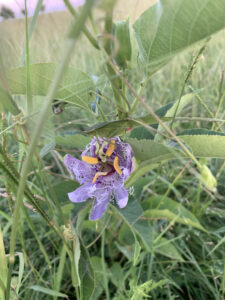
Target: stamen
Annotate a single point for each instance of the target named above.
(90, 160)
(116, 165)
(97, 175)
(111, 148)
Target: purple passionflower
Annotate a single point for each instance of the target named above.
(105, 166)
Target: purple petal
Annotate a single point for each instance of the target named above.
(82, 193)
(100, 205)
(121, 195)
(83, 171)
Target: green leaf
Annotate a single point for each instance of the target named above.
(75, 86)
(7, 102)
(3, 269)
(76, 257)
(205, 143)
(166, 248)
(159, 207)
(119, 127)
(86, 274)
(138, 186)
(178, 106)
(47, 291)
(142, 132)
(171, 26)
(97, 267)
(145, 232)
(131, 215)
(141, 169)
(61, 190)
(132, 212)
(150, 152)
(60, 269)
(75, 141)
(200, 131)
(117, 275)
(122, 34)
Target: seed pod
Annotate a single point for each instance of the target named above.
(121, 32)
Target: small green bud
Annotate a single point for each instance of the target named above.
(67, 232)
(207, 178)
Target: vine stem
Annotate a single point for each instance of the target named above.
(73, 35)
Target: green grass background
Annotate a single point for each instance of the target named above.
(201, 273)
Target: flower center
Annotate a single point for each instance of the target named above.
(105, 168)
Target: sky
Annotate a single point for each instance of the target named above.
(50, 5)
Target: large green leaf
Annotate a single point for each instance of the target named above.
(171, 26)
(74, 88)
(119, 127)
(159, 207)
(205, 143)
(150, 152)
(76, 141)
(121, 32)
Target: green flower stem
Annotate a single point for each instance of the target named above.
(73, 35)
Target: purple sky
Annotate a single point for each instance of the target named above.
(50, 5)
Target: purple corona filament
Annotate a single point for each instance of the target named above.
(105, 166)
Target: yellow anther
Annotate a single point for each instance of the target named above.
(90, 160)
(111, 148)
(116, 165)
(97, 175)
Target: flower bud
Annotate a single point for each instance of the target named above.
(207, 178)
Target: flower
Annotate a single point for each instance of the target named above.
(105, 166)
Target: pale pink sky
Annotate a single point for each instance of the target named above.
(50, 5)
